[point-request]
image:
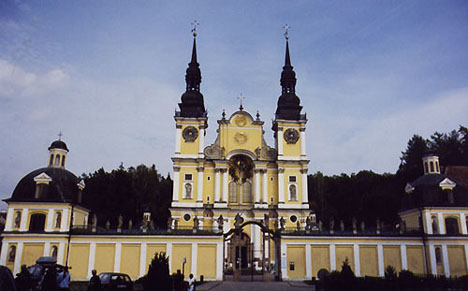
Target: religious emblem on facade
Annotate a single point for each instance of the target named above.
(190, 134)
(240, 138)
(291, 136)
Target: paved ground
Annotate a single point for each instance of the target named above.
(255, 286)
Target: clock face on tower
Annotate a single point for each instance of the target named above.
(190, 134)
(291, 136)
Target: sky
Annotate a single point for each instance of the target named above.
(109, 75)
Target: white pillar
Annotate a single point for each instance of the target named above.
(201, 142)
(305, 191)
(178, 136)
(432, 257)
(169, 255)
(219, 261)
(256, 234)
(445, 261)
(24, 220)
(463, 223)
(380, 257)
(404, 258)
(46, 251)
(332, 257)
(64, 223)
(428, 219)
(265, 186)
(143, 250)
(61, 253)
(284, 261)
(225, 185)
(50, 219)
(175, 187)
(466, 255)
(18, 256)
(217, 186)
(308, 259)
(257, 185)
(200, 185)
(279, 141)
(357, 261)
(9, 220)
(117, 257)
(280, 185)
(92, 258)
(303, 142)
(3, 253)
(440, 218)
(194, 259)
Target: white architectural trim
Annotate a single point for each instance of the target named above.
(308, 259)
(143, 250)
(466, 254)
(304, 192)
(303, 143)
(265, 186)
(441, 221)
(199, 186)
(18, 257)
(219, 261)
(117, 257)
(432, 259)
(194, 259)
(403, 257)
(281, 186)
(175, 188)
(9, 220)
(92, 257)
(463, 223)
(257, 186)
(50, 219)
(177, 141)
(61, 253)
(225, 186)
(380, 260)
(24, 220)
(65, 220)
(332, 257)
(445, 259)
(217, 186)
(284, 262)
(279, 141)
(428, 220)
(357, 260)
(3, 253)
(201, 142)
(46, 251)
(169, 254)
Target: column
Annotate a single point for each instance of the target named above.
(225, 185)
(92, 257)
(357, 261)
(194, 259)
(332, 257)
(24, 221)
(46, 251)
(64, 222)
(201, 141)
(445, 261)
(117, 257)
(404, 258)
(466, 254)
(50, 219)
(219, 261)
(280, 185)
(279, 141)
(9, 220)
(257, 185)
(433, 260)
(61, 253)
(256, 235)
(175, 187)
(463, 223)
(305, 191)
(303, 142)
(441, 223)
(178, 136)
(3, 253)
(200, 184)
(265, 186)
(217, 186)
(284, 262)
(308, 254)
(380, 257)
(169, 254)
(143, 248)
(18, 256)
(428, 219)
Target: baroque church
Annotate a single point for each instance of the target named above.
(237, 204)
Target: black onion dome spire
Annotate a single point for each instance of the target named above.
(288, 103)
(192, 104)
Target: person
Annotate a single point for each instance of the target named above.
(7, 282)
(49, 281)
(191, 283)
(63, 280)
(23, 279)
(94, 282)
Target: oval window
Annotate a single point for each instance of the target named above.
(187, 217)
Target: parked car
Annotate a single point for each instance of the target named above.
(42, 264)
(116, 281)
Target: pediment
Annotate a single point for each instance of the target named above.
(409, 188)
(42, 178)
(447, 184)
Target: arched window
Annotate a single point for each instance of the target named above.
(11, 254)
(51, 161)
(17, 219)
(438, 255)
(37, 222)
(292, 192)
(451, 225)
(233, 192)
(58, 219)
(63, 161)
(53, 252)
(435, 227)
(432, 166)
(247, 192)
(57, 160)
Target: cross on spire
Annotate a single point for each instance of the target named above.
(286, 31)
(60, 135)
(240, 99)
(194, 29)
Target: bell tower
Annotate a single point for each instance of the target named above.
(289, 128)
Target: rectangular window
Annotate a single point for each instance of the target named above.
(188, 177)
(292, 178)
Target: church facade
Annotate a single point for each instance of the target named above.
(237, 204)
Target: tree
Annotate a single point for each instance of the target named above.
(411, 165)
(158, 277)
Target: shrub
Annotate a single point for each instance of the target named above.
(390, 273)
(158, 277)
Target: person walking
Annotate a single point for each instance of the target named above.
(191, 283)
(23, 279)
(63, 280)
(94, 282)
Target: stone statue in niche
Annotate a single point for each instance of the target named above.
(292, 192)
(58, 219)
(298, 225)
(188, 190)
(94, 223)
(12, 254)
(282, 223)
(363, 226)
(238, 220)
(130, 224)
(220, 223)
(152, 225)
(17, 219)
(120, 221)
(435, 228)
(332, 225)
(108, 224)
(341, 225)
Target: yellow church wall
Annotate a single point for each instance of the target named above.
(292, 150)
(180, 251)
(392, 257)
(368, 261)
(296, 256)
(32, 252)
(105, 255)
(457, 260)
(320, 258)
(342, 253)
(189, 148)
(130, 260)
(292, 172)
(151, 251)
(415, 257)
(411, 219)
(78, 260)
(79, 217)
(206, 261)
(208, 184)
(241, 138)
(272, 186)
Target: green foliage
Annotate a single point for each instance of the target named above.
(128, 192)
(158, 277)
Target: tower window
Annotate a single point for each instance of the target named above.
(292, 178)
(435, 228)
(233, 192)
(188, 177)
(51, 161)
(293, 218)
(58, 219)
(57, 160)
(247, 192)
(432, 166)
(37, 222)
(425, 168)
(451, 225)
(12, 254)
(208, 178)
(63, 161)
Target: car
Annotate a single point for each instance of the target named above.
(116, 281)
(42, 264)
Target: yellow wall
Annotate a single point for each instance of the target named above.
(457, 261)
(105, 255)
(296, 254)
(320, 258)
(130, 260)
(79, 257)
(31, 252)
(206, 264)
(343, 253)
(151, 250)
(415, 259)
(179, 251)
(369, 261)
(392, 257)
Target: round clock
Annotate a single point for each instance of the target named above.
(291, 136)
(190, 134)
